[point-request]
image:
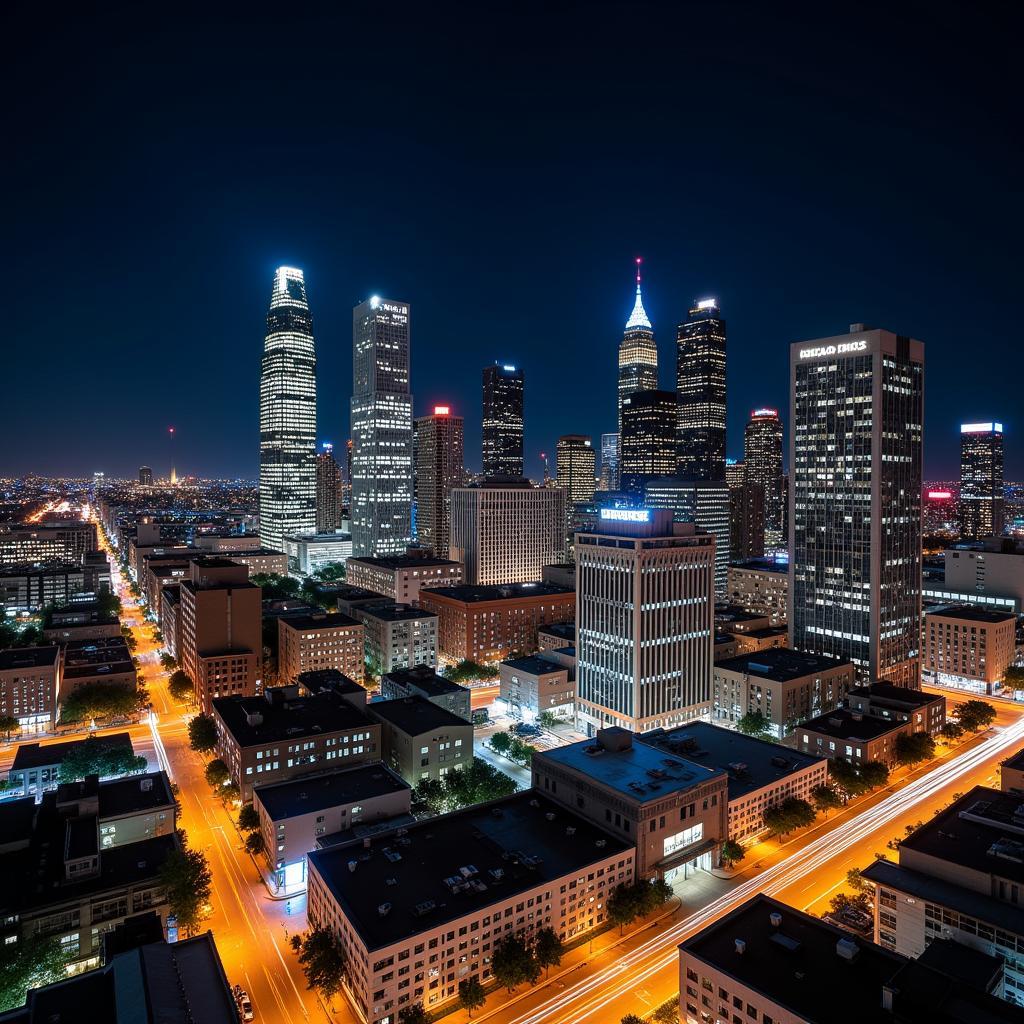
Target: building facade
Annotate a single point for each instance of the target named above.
(762, 464)
(609, 462)
(420, 739)
(439, 468)
(311, 643)
(401, 577)
(647, 439)
(761, 587)
(576, 466)
(968, 648)
(700, 386)
(533, 685)
(397, 636)
(29, 684)
(981, 480)
(638, 356)
(328, 490)
(502, 421)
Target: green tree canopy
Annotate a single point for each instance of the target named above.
(254, 843)
(791, 814)
(186, 878)
(513, 963)
(826, 798)
(97, 756)
(248, 819)
(855, 781)
(216, 772)
(180, 686)
(914, 748)
(467, 671)
(102, 701)
(732, 853)
(31, 962)
(475, 783)
(547, 948)
(951, 730)
(202, 734)
(754, 723)
(8, 725)
(471, 995)
(323, 962)
(501, 742)
(275, 587)
(413, 1013)
(168, 662)
(975, 714)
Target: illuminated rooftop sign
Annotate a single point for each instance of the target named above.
(844, 348)
(939, 495)
(707, 304)
(765, 412)
(626, 515)
(509, 369)
(981, 428)
(441, 410)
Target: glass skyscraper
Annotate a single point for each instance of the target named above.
(855, 501)
(609, 462)
(762, 459)
(981, 480)
(700, 386)
(648, 439)
(503, 422)
(638, 354)
(287, 414)
(382, 470)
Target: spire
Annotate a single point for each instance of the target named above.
(638, 318)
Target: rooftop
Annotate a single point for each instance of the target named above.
(391, 612)
(424, 678)
(255, 720)
(762, 565)
(886, 693)
(107, 654)
(118, 797)
(563, 630)
(328, 679)
(454, 865)
(406, 562)
(750, 763)
(780, 664)
(843, 724)
(28, 657)
(317, 792)
(1015, 760)
(535, 665)
(39, 755)
(415, 715)
(969, 614)
(318, 620)
(499, 592)
(766, 633)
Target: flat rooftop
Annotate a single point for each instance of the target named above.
(1015, 760)
(405, 562)
(761, 565)
(639, 772)
(28, 657)
(535, 665)
(780, 664)
(313, 793)
(348, 592)
(750, 763)
(253, 721)
(470, 594)
(563, 630)
(130, 795)
(39, 755)
(415, 715)
(318, 620)
(424, 678)
(887, 693)
(843, 724)
(392, 612)
(457, 864)
(734, 613)
(765, 632)
(969, 614)
(328, 679)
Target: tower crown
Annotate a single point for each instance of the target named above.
(638, 318)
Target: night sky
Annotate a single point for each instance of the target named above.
(500, 172)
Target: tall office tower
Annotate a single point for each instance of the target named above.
(735, 473)
(287, 414)
(145, 476)
(644, 621)
(746, 521)
(648, 439)
(507, 531)
(381, 429)
(328, 491)
(346, 483)
(576, 462)
(638, 354)
(700, 384)
(503, 422)
(762, 456)
(609, 462)
(439, 468)
(856, 405)
(981, 480)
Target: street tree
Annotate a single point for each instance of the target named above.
(501, 742)
(914, 748)
(825, 798)
(180, 686)
(414, 1013)
(254, 843)
(513, 963)
(951, 731)
(31, 962)
(248, 819)
(631, 1018)
(323, 962)
(9, 725)
(96, 756)
(754, 723)
(216, 773)
(102, 701)
(202, 734)
(855, 880)
(791, 814)
(471, 995)
(547, 948)
(168, 662)
(732, 853)
(975, 714)
(185, 877)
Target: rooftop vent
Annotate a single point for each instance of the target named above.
(847, 949)
(776, 919)
(1007, 849)
(424, 908)
(780, 762)
(570, 830)
(550, 815)
(146, 785)
(601, 843)
(352, 865)
(790, 945)
(253, 718)
(741, 947)
(383, 909)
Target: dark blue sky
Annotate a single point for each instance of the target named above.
(499, 172)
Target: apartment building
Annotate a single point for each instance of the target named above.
(535, 685)
(1011, 774)
(759, 586)
(105, 660)
(555, 635)
(968, 648)
(80, 621)
(322, 640)
(36, 766)
(422, 681)
(402, 576)
(420, 740)
(29, 685)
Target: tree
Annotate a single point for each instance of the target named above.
(631, 1018)
(275, 587)
(825, 798)
(323, 962)
(467, 671)
(514, 963)
(975, 714)
(202, 734)
(501, 742)
(792, 813)
(1013, 677)
(754, 723)
(875, 773)
(96, 756)
(216, 772)
(855, 781)
(521, 752)
(414, 1013)
(254, 843)
(185, 877)
(130, 641)
(102, 700)
(31, 962)
(547, 948)
(548, 719)
(951, 731)
(331, 572)
(732, 853)
(158, 636)
(471, 995)
(168, 662)
(855, 880)
(627, 902)
(9, 724)
(914, 748)
(477, 782)
(180, 687)
(248, 819)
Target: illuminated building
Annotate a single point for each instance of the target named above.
(309, 553)
(423, 681)
(576, 461)
(760, 586)
(855, 501)
(700, 386)
(968, 648)
(507, 531)
(989, 572)
(609, 462)
(27, 588)
(381, 428)
(397, 636)
(762, 460)
(145, 476)
(735, 473)
(644, 621)
(638, 356)
(328, 491)
(502, 421)
(401, 578)
(981, 480)
(287, 414)
(533, 685)
(747, 521)
(439, 468)
(47, 542)
(29, 681)
(648, 439)
(420, 739)
(321, 640)
(939, 514)
(36, 766)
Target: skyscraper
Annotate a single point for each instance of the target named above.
(648, 438)
(762, 457)
(609, 462)
(328, 491)
(503, 422)
(287, 414)
(638, 354)
(981, 480)
(439, 468)
(700, 385)
(856, 406)
(145, 476)
(746, 521)
(381, 428)
(576, 461)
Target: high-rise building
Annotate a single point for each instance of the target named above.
(145, 476)
(638, 355)
(439, 468)
(503, 422)
(746, 515)
(328, 490)
(700, 385)
(981, 480)
(381, 428)
(856, 409)
(735, 473)
(644, 621)
(287, 414)
(609, 462)
(648, 438)
(762, 458)
(576, 460)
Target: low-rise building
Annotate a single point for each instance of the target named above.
(752, 641)
(36, 766)
(488, 623)
(675, 812)
(397, 636)
(562, 574)
(423, 681)
(401, 577)
(29, 685)
(420, 912)
(761, 774)
(1011, 774)
(960, 876)
(307, 643)
(309, 553)
(296, 815)
(725, 646)
(760, 586)
(968, 648)
(420, 740)
(80, 621)
(921, 711)
(27, 588)
(347, 598)
(281, 735)
(785, 686)
(556, 634)
(128, 810)
(262, 561)
(534, 685)
(104, 660)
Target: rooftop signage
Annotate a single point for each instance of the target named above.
(626, 515)
(844, 348)
(981, 428)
